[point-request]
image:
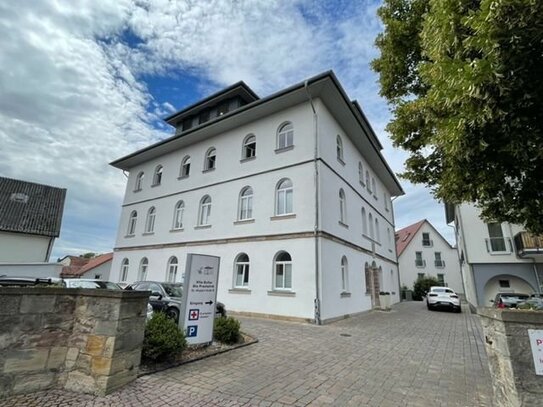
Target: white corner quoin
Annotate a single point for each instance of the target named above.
(199, 298)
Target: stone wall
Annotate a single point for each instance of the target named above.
(79, 339)
(510, 358)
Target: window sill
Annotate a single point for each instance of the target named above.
(137, 190)
(239, 290)
(177, 230)
(244, 221)
(343, 224)
(155, 185)
(390, 250)
(202, 226)
(283, 149)
(182, 177)
(386, 209)
(208, 170)
(375, 197)
(281, 293)
(420, 267)
(340, 160)
(148, 233)
(129, 236)
(281, 217)
(244, 160)
(345, 294)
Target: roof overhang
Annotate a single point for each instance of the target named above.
(324, 86)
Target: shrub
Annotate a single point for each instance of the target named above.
(226, 330)
(163, 339)
(422, 286)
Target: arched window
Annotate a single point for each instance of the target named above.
(211, 157)
(144, 264)
(360, 173)
(342, 207)
(282, 271)
(132, 220)
(285, 136)
(283, 201)
(339, 148)
(368, 185)
(246, 204)
(241, 266)
(124, 270)
(373, 187)
(185, 167)
(370, 221)
(205, 211)
(249, 147)
(344, 274)
(377, 230)
(389, 238)
(150, 223)
(172, 270)
(178, 215)
(364, 222)
(157, 177)
(139, 181)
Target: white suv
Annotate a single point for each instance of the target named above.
(443, 297)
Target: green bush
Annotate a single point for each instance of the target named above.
(163, 339)
(226, 330)
(422, 286)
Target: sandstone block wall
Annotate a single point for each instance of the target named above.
(510, 358)
(79, 339)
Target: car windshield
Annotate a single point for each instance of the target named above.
(173, 290)
(92, 284)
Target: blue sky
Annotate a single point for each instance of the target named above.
(86, 82)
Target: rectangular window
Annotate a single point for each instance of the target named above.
(497, 241)
(420, 276)
(426, 242)
(419, 261)
(204, 116)
(242, 275)
(505, 284)
(223, 108)
(283, 276)
(438, 261)
(441, 279)
(187, 124)
(284, 202)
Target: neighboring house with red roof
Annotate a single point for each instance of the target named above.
(96, 268)
(423, 252)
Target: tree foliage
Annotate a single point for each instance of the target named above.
(465, 82)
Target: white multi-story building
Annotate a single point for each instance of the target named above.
(495, 257)
(290, 191)
(423, 252)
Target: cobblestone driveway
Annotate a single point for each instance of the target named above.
(407, 357)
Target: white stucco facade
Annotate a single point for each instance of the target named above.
(446, 270)
(313, 233)
(490, 259)
(24, 248)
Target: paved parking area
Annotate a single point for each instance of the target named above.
(406, 357)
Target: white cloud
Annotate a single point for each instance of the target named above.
(72, 97)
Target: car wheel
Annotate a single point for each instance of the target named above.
(458, 310)
(173, 313)
(428, 306)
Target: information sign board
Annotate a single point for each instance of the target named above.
(536, 342)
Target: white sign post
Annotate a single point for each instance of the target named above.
(199, 298)
(536, 342)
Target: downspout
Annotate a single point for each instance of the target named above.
(317, 305)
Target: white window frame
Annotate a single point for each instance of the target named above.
(144, 265)
(139, 181)
(204, 213)
(368, 184)
(370, 221)
(373, 187)
(282, 197)
(249, 151)
(361, 172)
(241, 269)
(171, 269)
(285, 136)
(157, 176)
(132, 223)
(125, 265)
(184, 171)
(339, 148)
(211, 159)
(286, 268)
(178, 212)
(342, 207)
(150, 221)
(364, 222)
(377, 230)
(344, 275)
(245, 207)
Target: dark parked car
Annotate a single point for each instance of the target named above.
(167, 297)
(509, 300)
(7, 281)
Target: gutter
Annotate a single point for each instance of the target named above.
(317, 305)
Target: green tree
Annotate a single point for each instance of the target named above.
(465, 82)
